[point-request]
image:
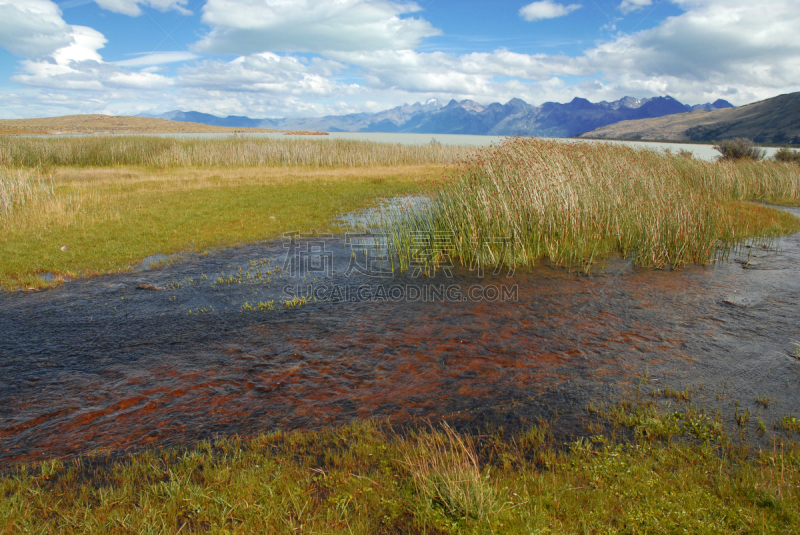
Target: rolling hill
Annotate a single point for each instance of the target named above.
(774, 121)
(106, 124)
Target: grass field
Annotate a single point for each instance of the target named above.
(111, 201)
(575, 204)
(91, 205)
(228, 152)
(98, 205)
(644, 468)
(111, 218)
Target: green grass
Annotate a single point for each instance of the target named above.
(112, 218)
(109, 202)
(574, 204)
(675, 472)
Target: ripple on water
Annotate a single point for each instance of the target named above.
(97, 365)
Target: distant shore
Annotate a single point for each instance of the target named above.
(106, 124)
(304, 133)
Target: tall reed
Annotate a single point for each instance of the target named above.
(530, 199)
(162, 152)
(22, 187)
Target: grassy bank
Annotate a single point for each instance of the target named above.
(676, 472)
(111, 218)
(531, 199)
(228, 152)
(92, 205)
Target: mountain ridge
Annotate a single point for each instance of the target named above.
(774, 120)
(516, 117)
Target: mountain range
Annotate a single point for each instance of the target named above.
(773, 121)
(516, 117)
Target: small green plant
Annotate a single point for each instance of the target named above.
(449, 481)
(296, 302)
(764, 400)
(761, 425)
(676, 395)
(790, 423)
(796, 352)
(742, 418)
(262, 306)
(739, 149)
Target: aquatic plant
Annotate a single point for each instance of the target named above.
(20, 187)
(296, 302)
(790, 423)
(531, 199)
(227, 152)
(261, 306)
(678, 472)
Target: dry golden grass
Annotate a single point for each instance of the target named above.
(230, 151)
(16, 131)
(118, 199)
(111, 218)
(575, 204)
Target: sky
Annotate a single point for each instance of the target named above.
(295, 58)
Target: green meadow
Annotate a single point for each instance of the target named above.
(643, 467)
(653, 463)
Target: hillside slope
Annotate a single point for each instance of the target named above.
(773, 121)
(106, 124)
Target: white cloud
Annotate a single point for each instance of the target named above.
(79, 66)
(628, 6)
(731, 46)
(713, 48)
(251, 26)
(85, 44)
(732, 50)
(132, 7)
(465, 74)
(546, 10)
(156, 58)
(33, 28)
(89, 75)
(266, 74)
(59, 55)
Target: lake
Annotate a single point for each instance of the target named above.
(704, 152)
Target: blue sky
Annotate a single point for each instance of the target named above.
(278, 58)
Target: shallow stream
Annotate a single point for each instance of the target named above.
(180, 353)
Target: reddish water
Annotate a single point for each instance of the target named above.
(79, 375)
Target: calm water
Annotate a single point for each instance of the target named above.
(100, 365)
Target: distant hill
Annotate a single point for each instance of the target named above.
(516, 117)
(106, 124)
(774, 121)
